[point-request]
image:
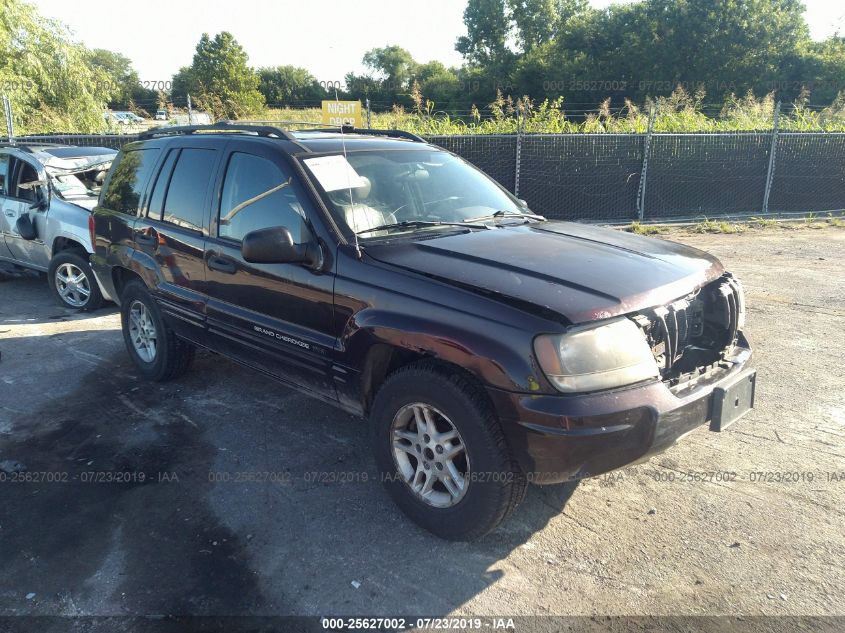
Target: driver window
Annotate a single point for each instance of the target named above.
(26, 174)
(258, 195)
(4, 171)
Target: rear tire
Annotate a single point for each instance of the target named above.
(154, 348)
(472, 493)
(72, 281)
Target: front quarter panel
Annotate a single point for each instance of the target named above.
(378, 304)
(68, 221)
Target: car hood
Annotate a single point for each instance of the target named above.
(578, 271)
(63, 166)
(86, 202)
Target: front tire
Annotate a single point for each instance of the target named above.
(72, 281)
(153, 346)
(442, 454)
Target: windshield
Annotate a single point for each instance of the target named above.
(415, 189)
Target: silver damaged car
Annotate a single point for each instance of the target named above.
(46, 196)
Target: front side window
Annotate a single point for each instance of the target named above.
(395, 186)
(184, 203)
(24, 189)
(257, 194)
(4, 171)
(125, 182)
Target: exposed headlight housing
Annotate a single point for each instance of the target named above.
(596, 357)
(740, 321)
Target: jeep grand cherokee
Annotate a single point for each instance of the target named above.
(488, 346)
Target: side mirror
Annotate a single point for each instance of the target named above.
(275, 246)
(522, 202)
(25, 227)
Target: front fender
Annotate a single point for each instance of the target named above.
(498, 355)
(67, 221)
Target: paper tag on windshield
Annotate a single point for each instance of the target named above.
(334, 173)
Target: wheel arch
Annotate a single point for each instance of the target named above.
(63, 243)
(379, 349)
(121, 276)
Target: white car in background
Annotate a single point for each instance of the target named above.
(46, 196)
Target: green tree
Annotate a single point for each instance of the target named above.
(650, 47)
(389, 80)
(535, 21)
(125, 83)
(488, 28)
(442, 86)
(47, 75)
(393, 65)
(820, 68)
(219, 79)
(289, 85)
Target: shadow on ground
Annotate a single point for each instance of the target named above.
(30, 290)
(220, 494)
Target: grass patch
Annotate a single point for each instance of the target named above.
(763, 223)
(717, 226)
(810, 221)
(647, 229)
(833, 220)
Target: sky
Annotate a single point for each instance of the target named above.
(160, 37)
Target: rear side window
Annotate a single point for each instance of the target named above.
(258, 195)
(125, 182)
(156, 205)
(184, 203)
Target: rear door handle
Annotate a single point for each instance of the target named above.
(223, 264)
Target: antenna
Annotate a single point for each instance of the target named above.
(349, 182)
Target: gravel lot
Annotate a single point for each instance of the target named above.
(746, 522)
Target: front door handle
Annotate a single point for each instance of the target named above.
(223, 264)
(145, 239)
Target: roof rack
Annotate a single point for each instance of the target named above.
(223, 126)
(348, 129)
(14, 144)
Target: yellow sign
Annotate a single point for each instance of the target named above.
(338, 113)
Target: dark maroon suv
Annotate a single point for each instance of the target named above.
(488, 347)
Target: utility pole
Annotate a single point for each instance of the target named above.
(519, 122)
(190, 112)
(10, 124)
(770, 174)
(368, 114)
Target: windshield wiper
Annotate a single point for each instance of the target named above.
(507, 214)
(419, 224)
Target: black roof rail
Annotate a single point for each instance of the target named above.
(223, 126)
(348, 129)
(15, 144)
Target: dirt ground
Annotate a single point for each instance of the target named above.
(230, 518)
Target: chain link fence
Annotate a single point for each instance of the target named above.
(652, 177)
(706, 174)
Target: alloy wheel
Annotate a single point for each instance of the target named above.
(73, 285)
(142, 331)
(430, 455)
